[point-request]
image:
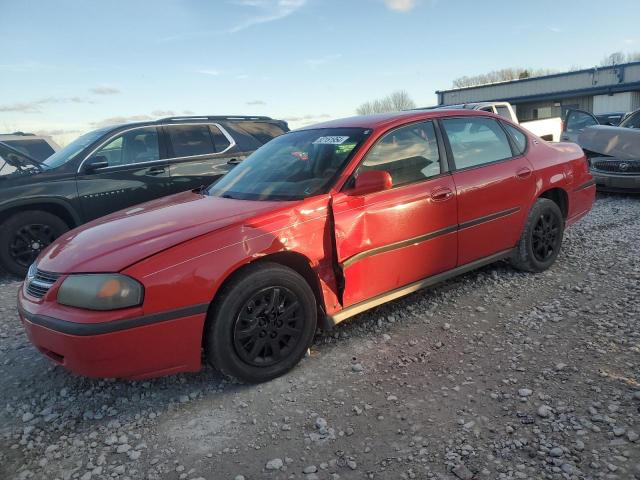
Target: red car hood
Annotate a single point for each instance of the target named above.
(116, 241)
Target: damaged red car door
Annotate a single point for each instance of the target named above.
(389, 238)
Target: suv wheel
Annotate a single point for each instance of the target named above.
(24, 235)
(262, 323)
(541, 238)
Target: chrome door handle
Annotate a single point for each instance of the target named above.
(441, 194)
(156, 170)
(523, 173)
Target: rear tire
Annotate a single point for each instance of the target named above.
(24, 235)
(541, 238)
(262, 323)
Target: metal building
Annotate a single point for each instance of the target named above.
(598, 90)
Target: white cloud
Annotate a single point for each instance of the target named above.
(209, 71)
(555, 29)
(401, 5)
(35, 105)
(104, 90)
(317, 62)
(267, 11)
(163, 113)
(121, 119)
(256, 102)
(28, 66)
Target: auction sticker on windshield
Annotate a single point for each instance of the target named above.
(331, 140)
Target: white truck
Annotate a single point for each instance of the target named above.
(548, 129)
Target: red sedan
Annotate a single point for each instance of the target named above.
(316, 226)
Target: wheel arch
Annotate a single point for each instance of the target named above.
(560, 197)
(293, 260)
(57, 207)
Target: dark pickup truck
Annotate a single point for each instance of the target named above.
(114, 168)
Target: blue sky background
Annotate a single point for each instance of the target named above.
(68, 66)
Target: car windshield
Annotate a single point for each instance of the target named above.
(72, 150)
(293, 166)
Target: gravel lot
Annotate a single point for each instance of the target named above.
(497, 374)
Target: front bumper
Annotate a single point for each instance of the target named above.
(134, 348)
(616, 182)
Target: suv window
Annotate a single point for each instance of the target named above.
(220, 141)
(476, 141)
(262, 131)
(519, 138)
(504, 112)
(409, 154)
(135, 146)
(190, 140)
(36, 149)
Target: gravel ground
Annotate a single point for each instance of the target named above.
(497, 374)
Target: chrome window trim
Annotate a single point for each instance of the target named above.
(232, 143)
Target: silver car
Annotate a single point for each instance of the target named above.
(613, 152)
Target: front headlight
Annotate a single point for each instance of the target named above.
(31, 273)
(100, 291)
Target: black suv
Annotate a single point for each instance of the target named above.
(113, 168)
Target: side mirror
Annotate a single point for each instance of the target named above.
(371, 181)
(94, 163)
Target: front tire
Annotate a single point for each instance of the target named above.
(541, 238)
(262, 323)
(24, 235)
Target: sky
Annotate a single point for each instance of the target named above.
(69, 66)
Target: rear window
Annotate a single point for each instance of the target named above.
(262, 131)
(36, 149)
(190, 140)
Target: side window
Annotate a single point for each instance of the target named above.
(135, 146)
(262, 131)
(578, 121)
(220, 141)
(632, 122)
(190, 140)
(409, 154)
(504, 112)
(476, 141)
(519, 138)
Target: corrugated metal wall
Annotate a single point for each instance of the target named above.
(608, 76)
(618, 102)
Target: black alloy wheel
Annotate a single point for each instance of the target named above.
(541, 238)
(261, 322)
(28, 241)
(268, 326)
(24, 235)
(545, 236)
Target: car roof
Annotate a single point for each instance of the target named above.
(381, 120)
(195, 119)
